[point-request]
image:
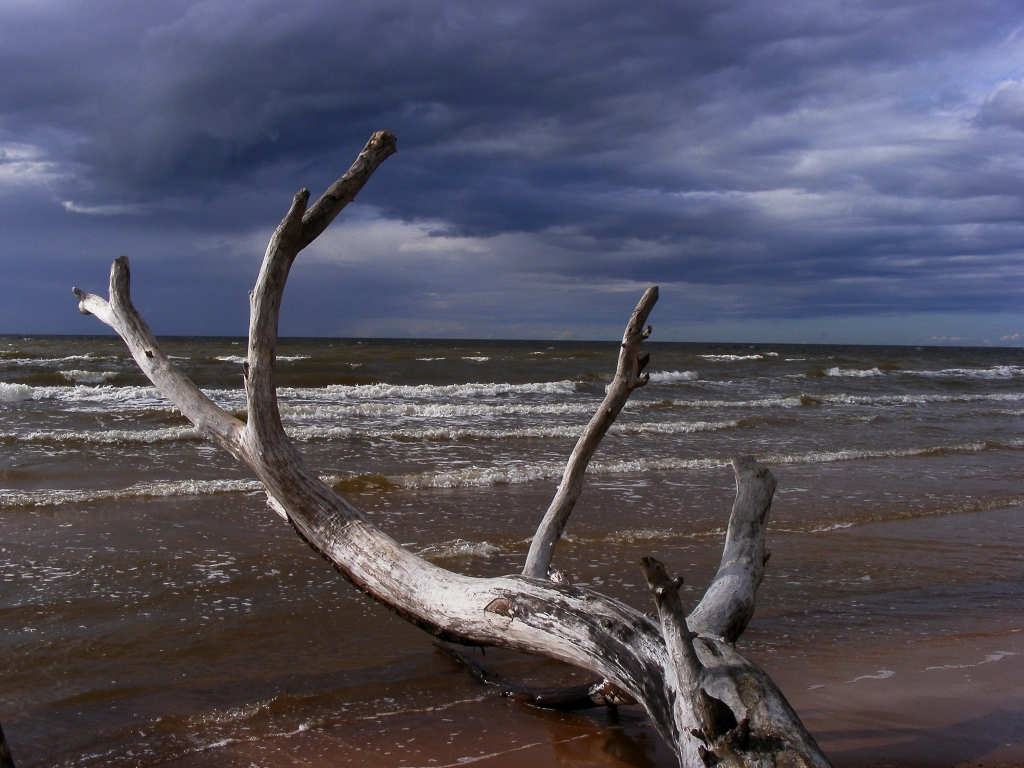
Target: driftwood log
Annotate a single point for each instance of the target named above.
(709, 703)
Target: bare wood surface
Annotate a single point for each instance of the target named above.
(728, 604)
(629, 376)
(120, 314)
(524, 613)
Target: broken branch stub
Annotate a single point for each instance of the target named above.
(712, 706)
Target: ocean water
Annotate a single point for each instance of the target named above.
(153, 609)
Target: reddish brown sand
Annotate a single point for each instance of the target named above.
(929, 704)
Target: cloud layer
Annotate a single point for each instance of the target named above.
(771, 167)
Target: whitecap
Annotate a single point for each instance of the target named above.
(667, 377)
(13, 393)
(995, 372)
(729, 358)
(103, 437)
(427, 391)
(459, 548)
(88, 377)
(59, 496)
(853, 372)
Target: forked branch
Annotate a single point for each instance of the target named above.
(713, 706)
(629, 376)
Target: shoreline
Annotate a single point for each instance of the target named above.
(876, 700)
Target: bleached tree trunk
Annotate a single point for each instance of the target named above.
(712, 705)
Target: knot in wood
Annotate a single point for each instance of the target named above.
(500, 606)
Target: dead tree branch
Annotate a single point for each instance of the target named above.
(728, 604)
(712, 706)
(629, 376)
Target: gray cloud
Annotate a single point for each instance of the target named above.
(798, 161)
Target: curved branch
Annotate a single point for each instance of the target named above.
(297, 230)
(120, 314)
(628, 377)
(728, 604)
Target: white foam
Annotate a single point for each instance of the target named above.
(917, 399)
(103, 437)
(430, 410)
(570, 431)
(525, 473)
(13, 393)
(17, 360)
(88, 377)
(477, 359)
(730, 358)
(768, 402)
(336, 392)
(883, 674)
(280, 358)
(667, 377)
(995, 372)
(59, 496)
(854, 454)
(459, 548)
(858, 373)
(670, 427)
(479, 477)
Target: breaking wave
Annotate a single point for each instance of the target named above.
(103, 437)
(730, 358)
(854, 372)
(88, 377)
(458, 548)
(53, 497)
(667, 377)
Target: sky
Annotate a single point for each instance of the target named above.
(843, 172)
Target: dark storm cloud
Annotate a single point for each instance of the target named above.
(778, 160)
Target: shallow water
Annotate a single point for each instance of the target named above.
(152, 608)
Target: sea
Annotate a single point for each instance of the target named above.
(154, 611)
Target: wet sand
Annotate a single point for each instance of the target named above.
(960, 713)
(937, 699)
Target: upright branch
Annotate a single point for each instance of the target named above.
(728, 604)
(629, 376)
(120, 314)
(297, 230)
